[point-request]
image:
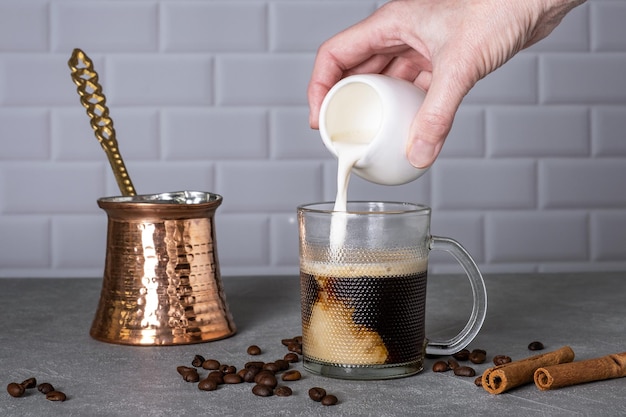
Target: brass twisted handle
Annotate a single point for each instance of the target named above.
(94, 101)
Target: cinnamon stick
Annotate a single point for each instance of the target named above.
(502, 378)
(563, 375)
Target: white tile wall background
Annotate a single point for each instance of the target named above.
(210, 95)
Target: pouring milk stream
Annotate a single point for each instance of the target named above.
(365, 121)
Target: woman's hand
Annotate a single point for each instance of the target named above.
(443, 46)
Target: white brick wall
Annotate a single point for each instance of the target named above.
(211, 95)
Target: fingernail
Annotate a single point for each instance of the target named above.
(421, 154)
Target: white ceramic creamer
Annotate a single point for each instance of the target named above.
(369, 117)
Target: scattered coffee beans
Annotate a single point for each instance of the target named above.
(478, 381)
(263, 374)
(283, 391)
(45, 387)
(462, 355)
(292, 375)
(262, 390)
(317, 393)
(478, 356)
(464, 371)
(440, 366)
(501, 360)
(254, 350)
(15, 390)
(56, 396)
(211, 364)
(197, 361)
(535, 346)
(329, 400)
(188, 374)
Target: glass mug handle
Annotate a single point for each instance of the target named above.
(479, 292)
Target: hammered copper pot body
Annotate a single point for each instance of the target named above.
(162, 283)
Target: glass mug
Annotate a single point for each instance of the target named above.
(363, 297)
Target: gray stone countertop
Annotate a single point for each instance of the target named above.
(44, 333)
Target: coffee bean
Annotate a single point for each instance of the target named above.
(282, 364)
(256, 364)
(297, 339)
(287, 342)
(462, 355)
(242, 372)
(266, 378)
(208, 384)
(191, 376)
(440, 366)
(263, 372)
(197, 361)
(218, 376)
(29, 383)
(478, 381)
(283, 391)
(292, 357)
(293, 375)
(452, 364)
(535, 346)
(254, 350)
(251, 373)
(232, 379)
(262, 390)
(464, 371)
(295, 347)
(478, 356)
(228, 369)
(56, 396)
(329, 400)
(211, 364)
(15, 390)
(45, 387)
(501, 360)
(188, 374)
(271, 366)
(184, 370)
(317, 393)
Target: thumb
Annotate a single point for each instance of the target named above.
(433, 121)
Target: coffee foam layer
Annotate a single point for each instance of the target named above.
(350, 270)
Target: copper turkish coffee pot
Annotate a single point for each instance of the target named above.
(162, 283)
